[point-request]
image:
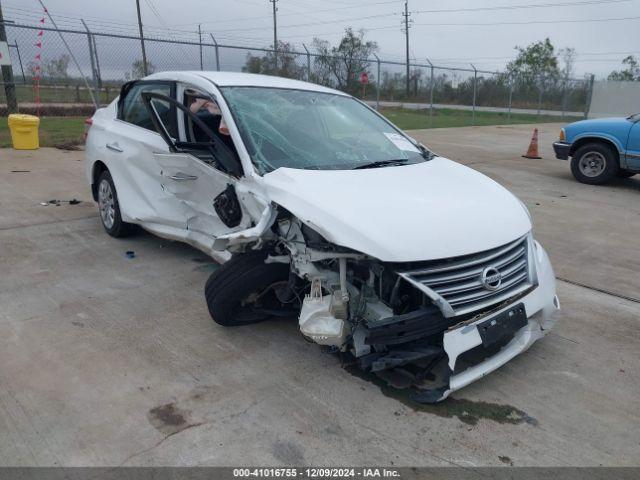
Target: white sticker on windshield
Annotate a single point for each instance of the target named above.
(401, 142)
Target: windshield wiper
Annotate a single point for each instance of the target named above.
(382, 163)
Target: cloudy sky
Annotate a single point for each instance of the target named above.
(454, 32)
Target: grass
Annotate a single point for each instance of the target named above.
(61, 130)
(447, 117)
(60, 94)
(53, 131)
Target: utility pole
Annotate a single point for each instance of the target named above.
(144, 53)
(407, 25)
(200, 42)
(7, 74)
(275, 33)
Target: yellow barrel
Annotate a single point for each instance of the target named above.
(24, 131)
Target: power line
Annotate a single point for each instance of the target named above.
(517, 7)
(533, 22)
(262, 17)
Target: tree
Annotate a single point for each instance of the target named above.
(630, 73)
(286, 63)
(57, 67)
(534, 62)
(137, 70)
(568, 56)
(342, 65)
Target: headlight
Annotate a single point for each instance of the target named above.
(562, 136)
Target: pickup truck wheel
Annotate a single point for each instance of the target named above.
(246, 290)
(622, 173)
(594, 164)
(109, 208)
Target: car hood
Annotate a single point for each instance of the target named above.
(431, 210)
(594, 124)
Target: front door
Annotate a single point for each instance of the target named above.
(197, 171)
(194, 186)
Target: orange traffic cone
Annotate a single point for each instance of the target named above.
(533, 146)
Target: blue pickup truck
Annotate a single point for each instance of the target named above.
(601, 149)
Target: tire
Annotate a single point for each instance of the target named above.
(109, 208)
(622, 173)
(229, 290)
(594, 164)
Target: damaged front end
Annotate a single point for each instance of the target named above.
(441, 323)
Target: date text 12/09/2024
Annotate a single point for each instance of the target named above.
(373, 472)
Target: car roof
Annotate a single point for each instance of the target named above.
(236, 79)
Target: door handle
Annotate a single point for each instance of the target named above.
(182, 177)
(114, 147)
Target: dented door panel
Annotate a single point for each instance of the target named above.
(194, 186)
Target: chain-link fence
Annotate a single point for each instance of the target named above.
(107, 60)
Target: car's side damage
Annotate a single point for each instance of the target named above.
(385, 315)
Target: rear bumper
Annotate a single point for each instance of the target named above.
(562, 150)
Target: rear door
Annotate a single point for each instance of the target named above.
(132, 143)
(199, 174)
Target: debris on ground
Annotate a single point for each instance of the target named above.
(20, 171)
(130, 254)
(57, 203)
(70, 146)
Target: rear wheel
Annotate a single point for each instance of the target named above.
(110, 208)
(594, 164)
(247, 290)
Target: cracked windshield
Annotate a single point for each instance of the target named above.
(312, 130)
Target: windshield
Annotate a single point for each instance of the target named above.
(312, 130)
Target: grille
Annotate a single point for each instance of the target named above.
(456, 285)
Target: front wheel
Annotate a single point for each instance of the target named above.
(247, 290)
(594, 164)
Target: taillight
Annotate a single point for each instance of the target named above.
(87, 125)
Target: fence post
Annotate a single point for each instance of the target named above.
(431, 85)
(377, 82)
(587, 103)
(475, 84)
(98, 73)
(308, 63)
(94, 76)
(511, 79)
(15, 44)
(564, 96)
(539, 95)
(217, 52)
(7, 76)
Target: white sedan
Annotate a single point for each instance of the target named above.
(320, 208)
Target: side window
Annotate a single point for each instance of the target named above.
(133, 109)
(207, 110)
